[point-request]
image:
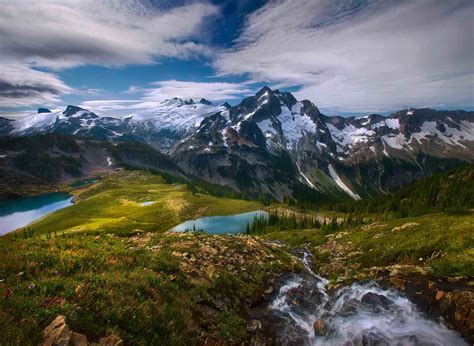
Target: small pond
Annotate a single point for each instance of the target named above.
(19, 212)
(144, 204)
(220, 224)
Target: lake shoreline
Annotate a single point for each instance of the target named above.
(18, 213)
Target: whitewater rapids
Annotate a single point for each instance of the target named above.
(359, 314)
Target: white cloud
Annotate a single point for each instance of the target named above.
(64, 34)
(351, 58)
(22, 86)
(56, 35)
(213, 91)
(162, 90)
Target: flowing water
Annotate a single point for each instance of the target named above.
(16, 213)
(360, 314)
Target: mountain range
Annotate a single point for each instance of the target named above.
(275, 145)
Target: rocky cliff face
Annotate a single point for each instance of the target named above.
(274, 142)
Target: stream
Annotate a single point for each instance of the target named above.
(360, 314)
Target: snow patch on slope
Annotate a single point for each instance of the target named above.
(306, 179)
(341, 184)
(267, 128)
(394, 124)
(395, 141)
(295, 125)
(349, 135)
(37, 122)
(451, 135)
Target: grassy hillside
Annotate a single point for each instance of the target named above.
(149, 288)
(442, 242)
(108, 264)
(114, 204)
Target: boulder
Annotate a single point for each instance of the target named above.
(376, 300)
(59, 334)
(319, 327)
(254, 325)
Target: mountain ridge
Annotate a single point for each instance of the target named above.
(271, 142)
(355, 153)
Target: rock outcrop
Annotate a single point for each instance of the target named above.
(59, 334)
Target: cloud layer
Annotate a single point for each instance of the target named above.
(162, 90)
(349, 56)
(214, 91)
(20, 85)
(57, 35)
(345, 55)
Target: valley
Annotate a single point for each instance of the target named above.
(332, 219)
(110, 265)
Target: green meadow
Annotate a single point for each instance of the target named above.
(114, 204)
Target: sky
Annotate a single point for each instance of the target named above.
(115, 57)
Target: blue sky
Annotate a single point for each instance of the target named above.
(348, 57)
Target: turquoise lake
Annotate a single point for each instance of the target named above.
(19, 212)
(220, 224)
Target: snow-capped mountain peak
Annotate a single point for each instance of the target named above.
(317, 144)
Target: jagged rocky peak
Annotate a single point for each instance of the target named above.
(226, 105)
(70, 110)
(205, 102)
(43, 110)
(310, 109)
(267, 96)
(259, 107)
(286, 98)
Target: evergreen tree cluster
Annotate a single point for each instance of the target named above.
(276, 221)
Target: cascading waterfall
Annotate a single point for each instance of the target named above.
(360, 314)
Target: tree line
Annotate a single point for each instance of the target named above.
(281, 221)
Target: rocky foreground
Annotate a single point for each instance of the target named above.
(148, 287)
